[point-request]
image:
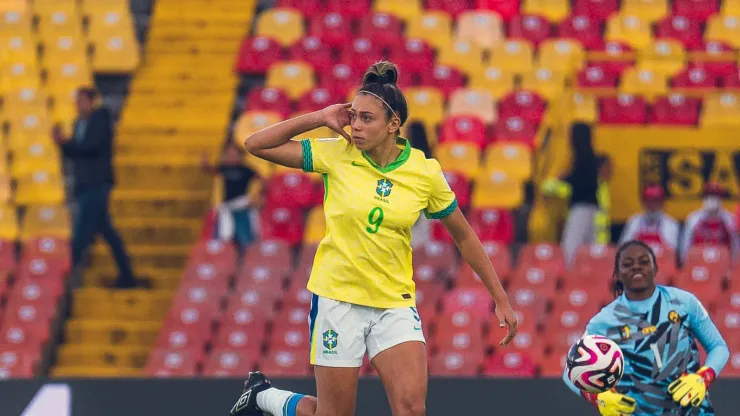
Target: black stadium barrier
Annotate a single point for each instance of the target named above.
(214, 397)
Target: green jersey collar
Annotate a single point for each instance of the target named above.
(400, 160)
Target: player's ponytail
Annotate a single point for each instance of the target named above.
(618, 286)
(380, 81)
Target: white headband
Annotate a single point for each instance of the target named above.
(381, 99)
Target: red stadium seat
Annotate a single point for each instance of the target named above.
(467, 278)
(290, 338)
(595, 77)
(257, 54)
(696, 9)
(623, 109)
(584, 29)
(305, 262)
(730, 299)
(353, 9)
(597, 9)
(440, 256)
(261, 278)
(716, 57)
(532, 28)
(456, 363)
(444, 77)
(733, 365)
(553, 365)
(14, 334)
(560, 341)
(340, 79)
(308, 8)
(453, 7)
(297, 296)
(228, 362)
(269, 99)
(16, 362)
(500, 258)
(272, 253)
(506, 8)
(544, 255)
(731, 81)
(383, 29)
(315, 100)
(716, 259)
(728, 323)
(694, 80)
(168, 363)
(523, 341)
(311, 50)
(245, 316)
(332, 28)
(42, 268)
(179, 336)
(676, 109)
(290, 189)
(282, 223)
(215, 252)
(541, 278)
(428, 297)
(7, 256)
(681, 28)
(361, 53)
(564, 318)
(201, 315)
(36, 291)
(526, 104)
(296, 317)
(207, 273)
(515, 129)
(249, 337)
(510, 364)
(413, 56)
(464, 128)
(477, 302)
(698, 280)
(591, 260)
(491, 224)
(33, 318)
(460, 185)
(452, 339)
(286, 363)
(614, 56)
(587, 296)
(457, 321)
(529, 304)
(46, 247)
(425, 275)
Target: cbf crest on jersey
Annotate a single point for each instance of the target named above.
(384, 188)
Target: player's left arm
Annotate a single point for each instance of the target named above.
(690, 389)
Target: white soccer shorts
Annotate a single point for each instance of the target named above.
(342, 332)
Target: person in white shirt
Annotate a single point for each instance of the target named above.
(652, 226)
(711, 224)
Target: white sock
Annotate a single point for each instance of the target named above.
(274, 401)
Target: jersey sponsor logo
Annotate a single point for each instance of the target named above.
(330, 339)
(674, 317)
(384, 188)
(625, 333)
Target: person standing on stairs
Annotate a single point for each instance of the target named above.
(90, 151)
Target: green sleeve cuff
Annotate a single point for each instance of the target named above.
(307, 156)
(442, 214)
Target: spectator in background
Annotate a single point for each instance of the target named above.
(241, 193)
(711, 224)
(90, 151)
(652, 226)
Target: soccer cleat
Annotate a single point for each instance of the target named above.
(247, 403)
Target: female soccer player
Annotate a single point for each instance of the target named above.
(657, 328)
(364, 297)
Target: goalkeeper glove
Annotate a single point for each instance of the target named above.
(611, 403)
(690, 389)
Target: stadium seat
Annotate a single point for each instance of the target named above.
(480, 26)
(311, 50)
(264, 278)
(723, 28)
(475, 301)
(286, 363)
(61, 49)
(456, 363)
(453, 7)
(449, 339)
(597, 9)
(238, 331)
(362, 53)
(473, 102)
(282, 223)
(561, 55)
(650, 10)
(414, 56)
(623, 109)
(507, 9)
(553, 10)
(350, 8)
(45, 221)
(696, 9)
(253, 121)
(426, 105)
(9, 229)
(341, 79)
(513, 55)
(295, 78)
(594, 258)
(257, 54)
(437, 255)
(305, 260)
(495, 79)
(469, 129)
(405, 10)
(630, 29)
(544, 82)
(269, 253)
(544, 255)
(332, 28)
(286, 189)
(699, 281)
(681, 28)
(529, 303)
(166, 363)
(115, 54)
(643, 82)
(525, 104)
(17, 362)
(492, 225)
(595, 78)
(614, 56)
(381, 29)
(445, 78)
(282, 24)
(716, 57)
(664, 56)
(434, 27)
(510, 364)
(460, 185)
(716, 259)
(532, 28)
(230, 362)
(720, 110)
(694, 81)
(515, 129)
(461, 54)
(499, 189)
(290, 338)
(195, 317)
(58, 20)
(728, 322)
(583, 29)
(269, 99)
(308, 8)
(428, 297)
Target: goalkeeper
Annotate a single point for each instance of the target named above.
(657, 328)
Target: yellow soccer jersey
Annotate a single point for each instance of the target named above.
(365, 257)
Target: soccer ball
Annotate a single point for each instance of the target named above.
(595, 364)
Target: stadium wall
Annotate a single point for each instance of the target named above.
(214, 397)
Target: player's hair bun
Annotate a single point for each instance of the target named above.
(383, 72)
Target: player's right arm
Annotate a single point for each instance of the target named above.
(275, 144)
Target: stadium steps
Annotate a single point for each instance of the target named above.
(179, 107)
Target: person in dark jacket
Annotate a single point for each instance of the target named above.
(90, 151)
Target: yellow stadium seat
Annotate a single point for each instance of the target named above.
(498, 80)
(295, 78)
(561, 55)
(513, 55)
(315, 226)
(629, 29)
(464, 55)
(496, 188)
(724, 28)
(730, 8)
(6, 195)
(283, 25)
(404, 10)
(664, 56)
(463, 158)
(94, 372)
(18, 48)
(51, 6)
(23, 101)
(108, 332)
(473, 101)
(134, 305)
(25, 126)
(36, 157)
(583, 108)
(426, 104)
(110, 22)
(650, 10)
(434, 27)
(317, 133)
(643, 82)
(552, 10)
(253, 121)
(15, 20)
(721, 110)
(546, 82)
(19, 75)
(40, 188)
(115, 54)
(482, 27)
(513, 158)
(102, 356)
(59, 22)
(8, 223)
(69, 73)
(45, 220)
(61, 49)
(91, 7)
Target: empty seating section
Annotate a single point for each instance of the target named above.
(49, 49)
